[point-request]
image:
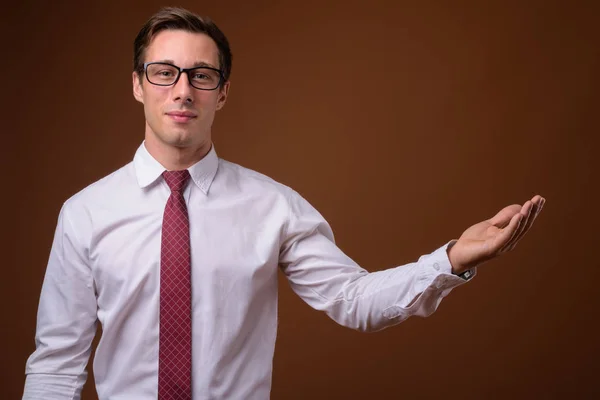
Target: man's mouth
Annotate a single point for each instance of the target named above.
(181, 116)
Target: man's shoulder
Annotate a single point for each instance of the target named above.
(245, 177)
(103, 188)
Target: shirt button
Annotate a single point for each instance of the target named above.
(436, 266)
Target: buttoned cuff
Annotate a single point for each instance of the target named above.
(440, 262)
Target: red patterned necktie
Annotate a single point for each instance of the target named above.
(175, 343)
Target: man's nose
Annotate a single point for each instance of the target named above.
(183, 90)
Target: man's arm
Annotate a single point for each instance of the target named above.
(322, 275)
(328, 280)
(66, 320)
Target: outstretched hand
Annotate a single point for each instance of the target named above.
(495, 236)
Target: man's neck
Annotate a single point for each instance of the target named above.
(175, 158)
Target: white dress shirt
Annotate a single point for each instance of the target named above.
(104, 266)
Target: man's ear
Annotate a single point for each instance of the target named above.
(223, 92)
(138, 90)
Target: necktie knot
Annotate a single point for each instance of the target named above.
(176, 179)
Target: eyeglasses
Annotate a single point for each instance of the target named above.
(165, 74)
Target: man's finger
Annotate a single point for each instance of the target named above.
(505, 237)
(535, 209)
(525, 213)
(534, 213)
(528, 210)
(504, 216)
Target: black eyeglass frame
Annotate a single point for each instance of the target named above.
(180, 71)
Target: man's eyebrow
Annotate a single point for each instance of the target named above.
(204, 64)
(195, 65)
(165, 61)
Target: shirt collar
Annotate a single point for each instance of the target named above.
(148, 169)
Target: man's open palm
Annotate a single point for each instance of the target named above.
(495, 236)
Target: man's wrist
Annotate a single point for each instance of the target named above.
(453, 264)
(463, 272)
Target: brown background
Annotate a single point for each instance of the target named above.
(402, 122)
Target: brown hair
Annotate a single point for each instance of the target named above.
(179, 18)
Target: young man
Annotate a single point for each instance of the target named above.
(177, 253)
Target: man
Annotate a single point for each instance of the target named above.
(177, 253)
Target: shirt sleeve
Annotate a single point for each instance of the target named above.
(66, 320)
(328, 280)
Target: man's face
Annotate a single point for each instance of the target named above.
(180, 115)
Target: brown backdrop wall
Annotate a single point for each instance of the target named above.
(402, 122)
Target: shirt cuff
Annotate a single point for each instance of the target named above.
(441, 263)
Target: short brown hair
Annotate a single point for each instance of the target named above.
(179, 18)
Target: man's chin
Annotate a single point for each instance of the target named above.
(179, 137)
(181, 141)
